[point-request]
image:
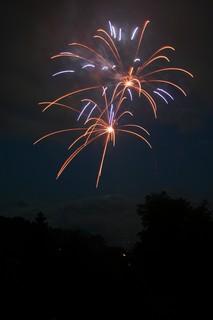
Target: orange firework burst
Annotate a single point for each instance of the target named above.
(135, 76)
(118, 80)
(105, 125)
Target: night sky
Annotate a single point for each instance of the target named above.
(180, 161)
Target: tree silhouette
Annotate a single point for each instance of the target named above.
(173, 254)
(41, 220)
(168, 275)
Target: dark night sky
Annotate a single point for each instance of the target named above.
(180, 161)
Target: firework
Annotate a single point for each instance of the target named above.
(118, 77)
(118, 74)
(105, 123)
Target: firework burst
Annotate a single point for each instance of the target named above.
(105, 124)
(116, 74)
(117, 81)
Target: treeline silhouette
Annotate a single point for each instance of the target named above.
(49, 273)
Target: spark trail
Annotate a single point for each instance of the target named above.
(105, 124)
(118, 74)
(115, 72)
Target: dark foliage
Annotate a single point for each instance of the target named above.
(49, 273)
(175, 255)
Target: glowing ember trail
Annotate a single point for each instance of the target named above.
(105, 125)
(119, 78)
(115, 73)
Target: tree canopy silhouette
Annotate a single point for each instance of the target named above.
(162, 211)
(175, 219)
(173, 256)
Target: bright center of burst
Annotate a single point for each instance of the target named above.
(129, 83)
(110, 129)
